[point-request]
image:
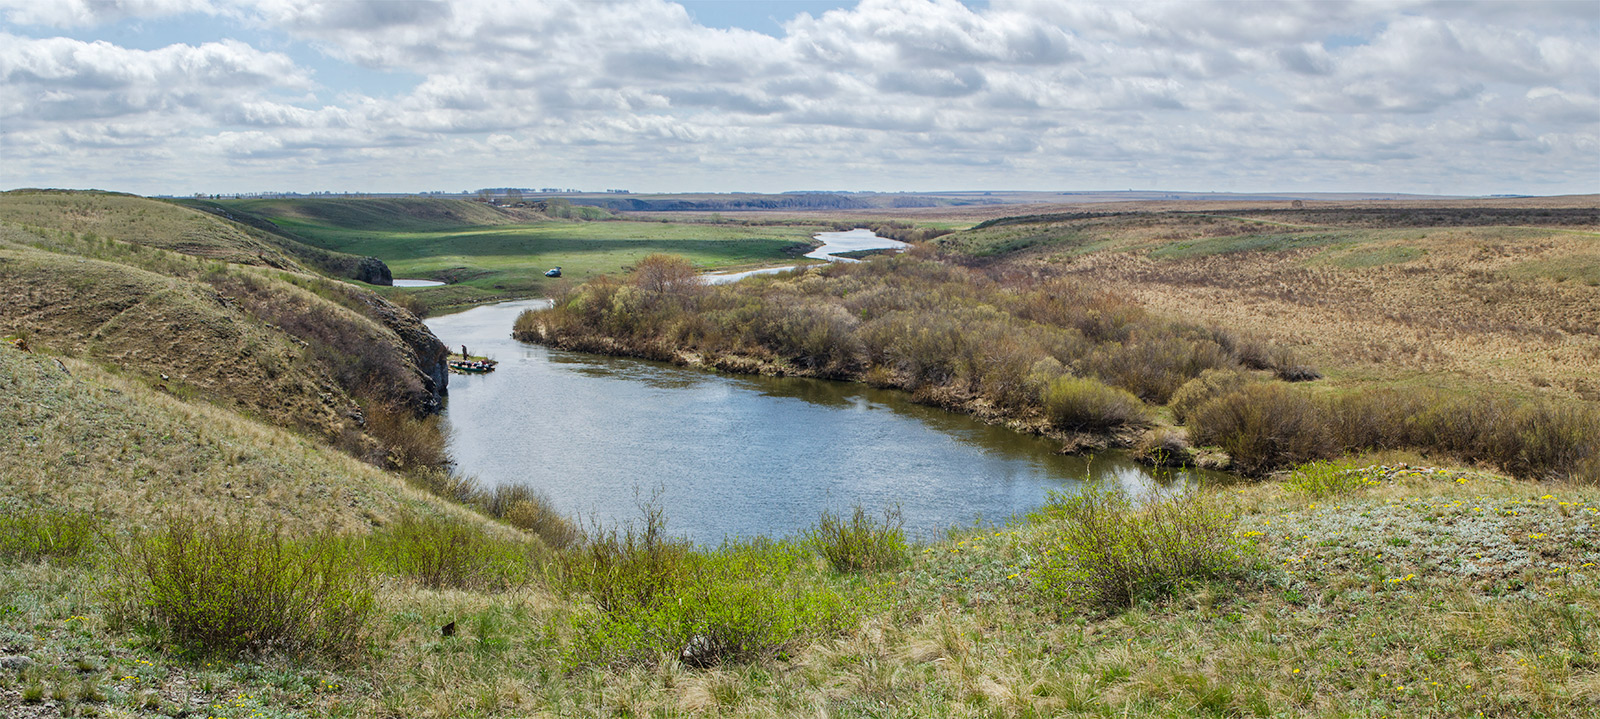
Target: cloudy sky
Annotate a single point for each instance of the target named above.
(181, 96)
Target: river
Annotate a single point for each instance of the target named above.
(735, 456)
(833, 244)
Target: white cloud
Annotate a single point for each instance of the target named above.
(1022, 93)
(82, 13)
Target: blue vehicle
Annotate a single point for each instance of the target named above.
(556, 272)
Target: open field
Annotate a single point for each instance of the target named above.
(507, 258)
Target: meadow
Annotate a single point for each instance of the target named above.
(487, 254)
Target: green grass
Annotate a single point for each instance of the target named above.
(1421, 593)
(1577, 268)
(484, 262)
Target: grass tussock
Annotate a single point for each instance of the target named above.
(861, 542)
(453, 553)
(1103, 553)
(57, 535)
(515, 504)
(653, 598)
(233, 588)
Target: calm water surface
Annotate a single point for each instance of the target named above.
(732, 455)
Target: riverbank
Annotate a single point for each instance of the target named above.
(739, 455)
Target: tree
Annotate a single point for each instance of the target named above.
(661, 273)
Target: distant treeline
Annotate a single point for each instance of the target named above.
(816, 201)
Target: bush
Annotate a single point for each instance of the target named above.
(627, 568)
(440, 552)
(537, 517)
(1084, 405)
(1105, 553)
(1263, 427)
(32, 535)
(409, 442)
(1553, 441)
(1211, 384)
(657, 597)
(446, 484)
(206, 587)
(861, 543)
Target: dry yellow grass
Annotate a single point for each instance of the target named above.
(1467, 306)
(81, 438)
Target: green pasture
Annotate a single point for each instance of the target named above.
(488, 262)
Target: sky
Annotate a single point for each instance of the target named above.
(225, 96)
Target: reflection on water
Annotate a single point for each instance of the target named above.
(735, 455)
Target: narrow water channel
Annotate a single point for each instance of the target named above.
(734, 456)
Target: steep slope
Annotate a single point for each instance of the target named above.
(295, 349)
(81, 438)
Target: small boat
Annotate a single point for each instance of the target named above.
(553, 272)
(472, 366)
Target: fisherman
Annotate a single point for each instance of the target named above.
(463, 353)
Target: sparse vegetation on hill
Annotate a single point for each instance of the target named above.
(148, 223)
(1494, 297)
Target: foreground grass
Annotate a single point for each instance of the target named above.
(486, 262)
(1412, 593)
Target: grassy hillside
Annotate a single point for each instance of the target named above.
(87, 439)
(488, 253)
(1446, 297)
(293, 348)
(140, 221)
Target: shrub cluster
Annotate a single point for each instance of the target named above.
(903, 321)
(1271, 426)
(1104, 553)
(1083, 404)
(231, 588)
(33, 535)
(861, 542)
(1263, 427)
